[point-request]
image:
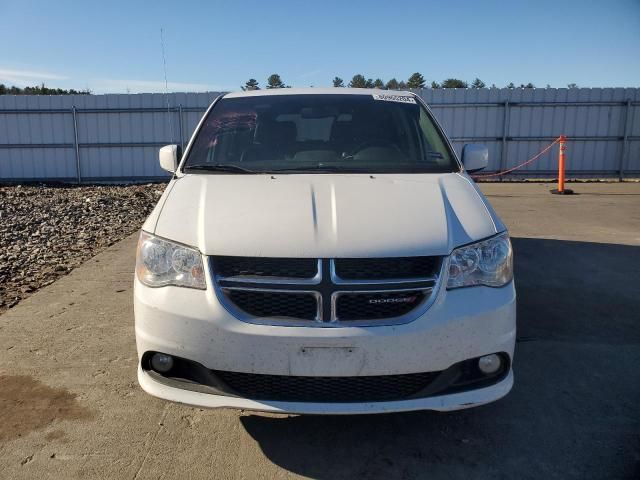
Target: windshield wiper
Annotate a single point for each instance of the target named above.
(219, 168)
(321, 168)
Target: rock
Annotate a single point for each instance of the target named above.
(46, 231)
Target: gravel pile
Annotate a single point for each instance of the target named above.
(47, 231)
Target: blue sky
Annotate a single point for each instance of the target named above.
(114, 46)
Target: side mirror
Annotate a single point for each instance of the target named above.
(169, 157)
(475, 157)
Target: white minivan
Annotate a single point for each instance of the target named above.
(324, 251)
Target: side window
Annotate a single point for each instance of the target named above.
(433, 140)
(233, 134)
(221, 147)
(408, 134)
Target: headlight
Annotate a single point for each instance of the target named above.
(489, 262)
(160, 262)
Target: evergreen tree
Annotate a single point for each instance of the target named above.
(402, 85)
(252, 84)
(477, 83)
(572, 85)
(338, 82)
(369, 83)
(378, 83)
(511, 85)
(274, 81)
(392, 84)
(454, 83)
(435, 85)
(40, 90)
(358, 81)
(416, 81)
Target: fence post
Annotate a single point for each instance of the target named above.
(75, 143)
(180, 127)
(561, 169)
(505, 132)
(625, 141)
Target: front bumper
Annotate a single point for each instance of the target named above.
(191, 324)
(443, 403)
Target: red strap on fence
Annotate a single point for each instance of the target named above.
(532, 159)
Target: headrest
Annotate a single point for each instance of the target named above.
(273, 133)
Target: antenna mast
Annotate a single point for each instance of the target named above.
(166, 84)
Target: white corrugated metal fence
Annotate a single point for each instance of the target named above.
(116, 137)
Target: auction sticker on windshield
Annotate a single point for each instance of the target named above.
(387, 97)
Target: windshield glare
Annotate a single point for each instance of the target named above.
(386, 133)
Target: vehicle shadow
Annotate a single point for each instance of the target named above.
(573, 412)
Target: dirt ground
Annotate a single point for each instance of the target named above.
(70, 406)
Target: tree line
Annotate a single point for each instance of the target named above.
(416, 80)
(39, 90)
(275, 81)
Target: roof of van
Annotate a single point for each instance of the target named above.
(314, 91)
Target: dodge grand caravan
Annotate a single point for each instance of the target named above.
(324, 251)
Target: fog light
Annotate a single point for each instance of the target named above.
(489, 364)
(161, 362)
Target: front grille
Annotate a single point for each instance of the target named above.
(274, 304)
(377, 305)
(326, 291)
(386, 268)
(265, 267)
(286, 388)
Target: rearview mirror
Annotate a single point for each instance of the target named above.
(475, 157)
(169, 157)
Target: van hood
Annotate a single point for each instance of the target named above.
(325, 215)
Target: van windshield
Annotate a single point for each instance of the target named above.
(383, 132)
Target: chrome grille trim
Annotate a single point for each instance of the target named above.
(315, 280)
(393, 320)
(335, 278)
(242, 315)
(327, 288)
